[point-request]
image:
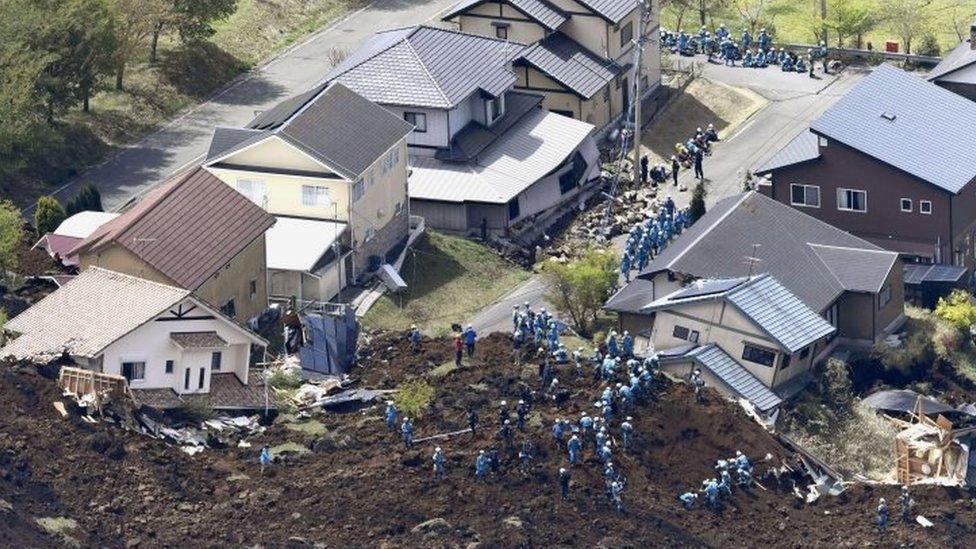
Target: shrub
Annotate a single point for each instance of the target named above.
(413, 398)
(285, 380)
(193, 412)
(579, 288)
(929, 46)
(48, 215)
(87, 199)
(957, 309)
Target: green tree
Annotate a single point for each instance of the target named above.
(851, 18)
(908, 19)
(578, 288)
(193, 18)
(696, 209)
(48, 214)
(136, 21)
(11, 236)
(957, 309)
(88, 199)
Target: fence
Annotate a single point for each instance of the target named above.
(865, 54)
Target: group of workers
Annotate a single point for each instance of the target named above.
(689, 154)
(715, 487)
(905, 502)
(755, 52)
(648, 239)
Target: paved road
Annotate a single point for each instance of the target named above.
(183, 141)
(795, 100)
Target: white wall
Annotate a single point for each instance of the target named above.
(151, 344)
(437, 134)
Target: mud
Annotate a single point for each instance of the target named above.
(360, 487)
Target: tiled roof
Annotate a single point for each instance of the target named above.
(228, 139)
(779, 238)
(897, 118)
(427, 67)
(187, 229)
(734, 375)
(471, 141)
(857, 269)
(567, 62)
(802, 148)
(960, 57)
(540, 11)
(611, 10)
(88, 314)
(197, 340)
(226, 393)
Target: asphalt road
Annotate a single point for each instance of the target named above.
(795, 100)
(182, 142)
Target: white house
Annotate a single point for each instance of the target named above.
(72, 232)
(168, 344)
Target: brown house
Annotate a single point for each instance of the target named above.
(193, 232)
(892, 163)
(854, 285)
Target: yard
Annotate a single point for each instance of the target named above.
(448, 279)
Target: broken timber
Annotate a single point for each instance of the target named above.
(443, 435)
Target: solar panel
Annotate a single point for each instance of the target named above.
(945, 273)
(701, 288)
(915, 273)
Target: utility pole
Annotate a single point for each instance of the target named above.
(642, 16)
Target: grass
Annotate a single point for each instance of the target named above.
(443, 370)
(703, 102)
(413, 398)
(60, 526)
(288, 447)
(448, 279)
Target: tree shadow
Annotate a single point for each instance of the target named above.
(198, 69)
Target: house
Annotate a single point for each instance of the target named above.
(749, 336)
(890, 162)
(856, 286)
(579, 54)
(71, 232)
(482, 155)
(170, 345)
(192, 232)
(332, 167)
(957, 70)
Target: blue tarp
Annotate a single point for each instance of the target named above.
(330, 342)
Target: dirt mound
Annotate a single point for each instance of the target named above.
(360, 487)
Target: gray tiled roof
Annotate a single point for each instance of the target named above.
(962, 56)
(857, 269)
(427, 67)
(611, 10)
(198, 340)
(780, 313)
(734, 375)
(225, 139)
(471, 141)
(540, 11)
(898, 118)
(567, 62)
(753, 225)
(802, 148)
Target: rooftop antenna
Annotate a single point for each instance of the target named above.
(753, 259)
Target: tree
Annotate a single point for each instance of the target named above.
(193, 18)
(851, 18)
(957, 309)
(11, 236)
(19, 109)
(48, 214)
(579, 288)
(708, 8)
(696, 209)
(88, 199)
(908, 19)
(752, 12)
(136, 20)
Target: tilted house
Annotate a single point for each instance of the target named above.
(892, 163)
(481, 154)
(332, 166)
(170, 346)
(750, 336)
(69, 233)
(192, 232)
(957, 70)
(854, 285)
(579, 54)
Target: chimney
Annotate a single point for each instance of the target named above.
(972, 36)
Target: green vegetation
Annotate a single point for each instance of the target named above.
(413, 398)
(958, 310)
(920, 26)
(578, 288)
(48, 215)
(288, 448)
(88, 199)
(448, 278)
(83, 76)
(11, 235)
(193, 412)
(285, 380)
(60, 527)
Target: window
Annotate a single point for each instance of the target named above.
(787, 359)
(822, 141)
(925, 207)
(315, 195)
(906, 205)
(681, 332)
(203, 376)
(253, 189)
(569, 180)
(418, 119)
(758, 355)
(807, 196)
(398, 209)
(358, 190)
(253, 288)
(229, 308)
(494, 108)
(392, 159)
(852, 200)
(169, 366)
(186, 380)
(501, 31)
(626, 34)
(215, 358)
(134, 371)
(513, 209)
(884, 296)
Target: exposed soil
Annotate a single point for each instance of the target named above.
(359, 487)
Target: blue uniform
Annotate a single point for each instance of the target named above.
(626, 433)
(574, 446)
(481, 465)
(391, 417)
(688, 499)
(470, 336)
(628, 345)
(407, 430)
(265, 457)
(882, 517)
(438, 464)
(415, 338)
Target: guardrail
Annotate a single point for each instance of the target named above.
(864, 54)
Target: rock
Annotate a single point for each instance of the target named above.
(514, 522)
(433, 525)
(296, 515)
(5, 506)
(133, 542)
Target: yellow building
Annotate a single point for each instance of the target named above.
(332, 166)
(579, 54)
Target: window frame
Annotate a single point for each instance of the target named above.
(419, 120)
(501, 32)
(315, 192)
(253, 181)
(921, 207)
(844, 191)
(626, 34)
(901, 205)
(133, 364)
(753, 358)
(252, 287)
(884, 296)
(216, 360)
(170, 366)
(806, 189)
(358, 190)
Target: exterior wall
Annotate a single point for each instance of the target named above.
(842, 167)
(116, 258)
(437, 134)
(856, 317)
(597, 110)
(305, 287)
(966, 90)
(447, 216)
(479, 19)
(283, 193)
(382, 208)
(964, 228)
(585, 27)
(233, 281)
(151, 344)
(459, 117)
(275, 153)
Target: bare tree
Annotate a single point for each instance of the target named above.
(753, 12)
(908, 19)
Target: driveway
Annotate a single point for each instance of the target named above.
(795, 100)
(183, 141)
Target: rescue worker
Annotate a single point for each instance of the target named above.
(520, 412)
(606, 454)
(525, 454)
(481, 465)
(438, 463)
(625, 266)
(415, 338)
(627, 344)
(699, 160)
(265, 457)
(742, 462)
(643, 169)
(906, 502)
(503, 414)
(615, 489)
(472, 420)
(578, 361)
(574, 447)
(601, 438)
(764, 40)
(725, 485)
(470, 336)
(516, 317)
(585, 425)
(746, 40)
(711, 492)
(564, 482)
(458, 350)
(698, 385)
(675, 168)
(882, 516)
(745, 477)
(822, 54)
(406, 428)
(558, 430)
(688, 499)
(811, 57)
(612, 348)
(505, 433)
(627, 432)
(391, 415)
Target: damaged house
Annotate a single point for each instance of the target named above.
(169, 345)
(483, 156)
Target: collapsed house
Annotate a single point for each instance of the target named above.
(71, 232)
(170, 347)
